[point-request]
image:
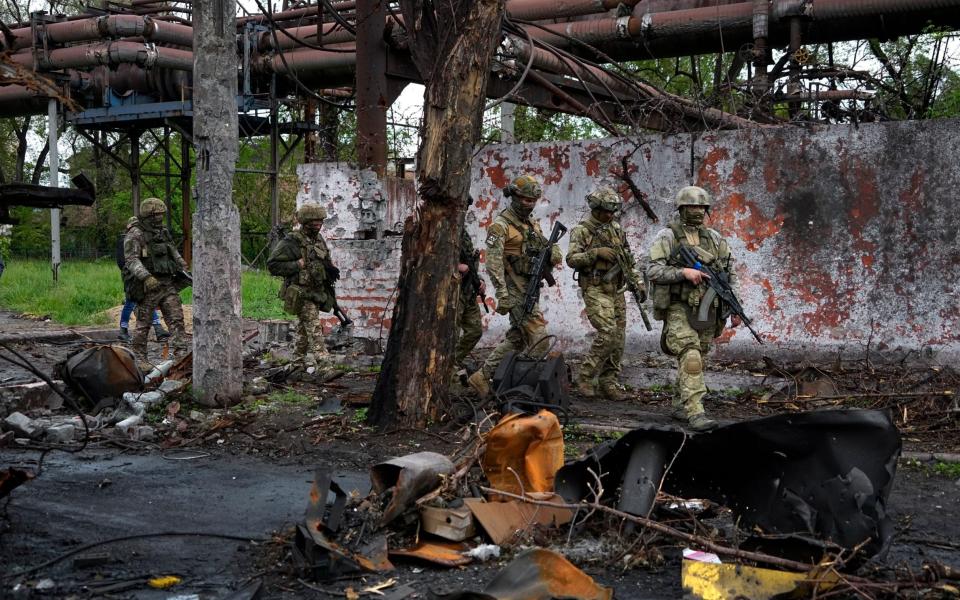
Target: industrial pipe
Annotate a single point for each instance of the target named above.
(109, 27)
(111, 54)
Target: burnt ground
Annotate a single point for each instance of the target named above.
(246, 472)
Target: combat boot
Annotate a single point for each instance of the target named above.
(585, 388)
(701, 422)
(611, 391)
(162, 333)
(679, 413)
(478, 381)
(124, 335)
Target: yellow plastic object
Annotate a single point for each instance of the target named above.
(162, 583)
(524, 450)
(710, 581)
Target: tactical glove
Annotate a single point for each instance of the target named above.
(504, 305)
(333, 273)
(150, 284)
(606, 254)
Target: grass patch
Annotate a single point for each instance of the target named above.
(950, 470)
(360, 415)
(88, 288)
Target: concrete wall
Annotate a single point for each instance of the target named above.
(843, 235)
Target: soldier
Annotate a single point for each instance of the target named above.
(150, 276)
(677, 293)
(599, 252)
(303, 260)
(513, 243)
(471, 285)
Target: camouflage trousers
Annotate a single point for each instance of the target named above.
(607, 311)
(690, 347)
(167, 299)
(309, 331)
(470, 327)
(519, 336)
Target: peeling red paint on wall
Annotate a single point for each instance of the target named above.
(746, 220)
(558, 163)
(708, 176)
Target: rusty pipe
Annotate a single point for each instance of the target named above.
(110, 54)
(308, 62)
(108, 27)
(332, 33)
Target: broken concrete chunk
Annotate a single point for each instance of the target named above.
(22, 425)
(139, 403)
(61, 434)
(171, 386)
(258, 385)
(130, 422)
(141, 433)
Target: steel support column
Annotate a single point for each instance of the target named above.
(135, 169)
(371, 85)
(54, 158)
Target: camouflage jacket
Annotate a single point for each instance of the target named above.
(315, 278)
(664, 272)
(591, 234)
(147, 253)
(513, 244)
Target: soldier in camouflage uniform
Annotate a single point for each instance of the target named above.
(678, 294)
(513, 243)
(150, 276)
(597, 246)
(303, 260)
(468, 312)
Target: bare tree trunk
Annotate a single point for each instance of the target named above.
(452, 46)
(19, 172)
(217, 361)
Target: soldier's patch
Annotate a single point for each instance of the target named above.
(493, 239)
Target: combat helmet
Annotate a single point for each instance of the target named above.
(525, 185)
(311, 212)
(152, 206)
(692, 196)
(604, 198)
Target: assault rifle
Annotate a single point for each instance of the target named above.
(473, 279)
(718, 282)
(541, 271)
(332, 275)
(639, 294)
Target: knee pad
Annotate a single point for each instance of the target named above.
(691, 362)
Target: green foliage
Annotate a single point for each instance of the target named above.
(950, 470)
(88, 288)
(360, 415)
(539, 125)
(289, 397)
(85, 290)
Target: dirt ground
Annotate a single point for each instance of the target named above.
(246, 473)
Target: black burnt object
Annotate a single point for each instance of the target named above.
(806, 480)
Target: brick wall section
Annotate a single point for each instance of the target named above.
(844, 235)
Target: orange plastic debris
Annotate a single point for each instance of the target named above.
(524, 450)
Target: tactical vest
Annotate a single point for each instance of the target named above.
(309, 283)
(158, 254)
(665, 294)
(607, 235)
(521, 254)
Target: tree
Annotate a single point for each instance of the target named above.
(452, 48)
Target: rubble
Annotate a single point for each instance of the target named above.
(23, 426)
(60, 434)
(537, 574)
(402, 480)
